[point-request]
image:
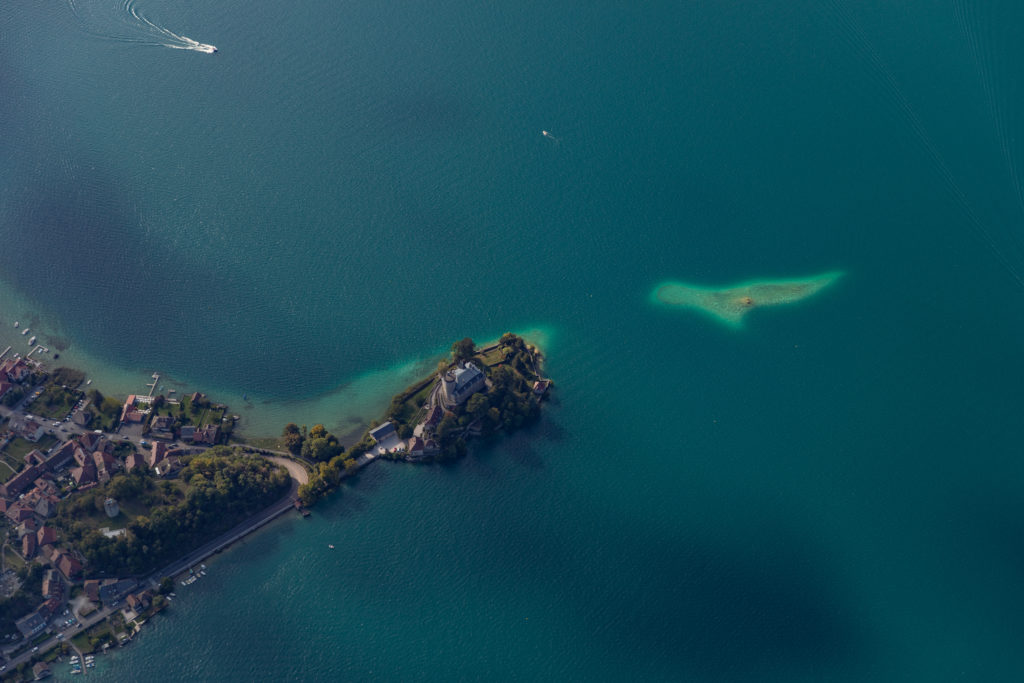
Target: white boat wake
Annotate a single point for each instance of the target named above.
(122, 21)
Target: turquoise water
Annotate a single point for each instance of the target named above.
(831, 492)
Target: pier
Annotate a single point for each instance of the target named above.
(152, 386)
(5, 352)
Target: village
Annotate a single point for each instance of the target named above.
(65, 450)
(51, 450)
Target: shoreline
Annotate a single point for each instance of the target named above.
(300, 473)
(353, 402)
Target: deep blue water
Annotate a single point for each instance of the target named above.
(831, 492)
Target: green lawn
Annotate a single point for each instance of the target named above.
(6, 471)
(210, 416)
(18, 448)
(55, 402)
(494, 357)
(271, 443)
(13, 560)
(199, 419)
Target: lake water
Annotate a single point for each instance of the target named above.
(310, 216)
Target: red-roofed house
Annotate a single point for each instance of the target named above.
(28, 546)
(208, 434)
(46, 535)
(19, 512)
(85, 474)
(19, 482)
(157, 453)
(15, 369)
(68, 566)
(134, 461)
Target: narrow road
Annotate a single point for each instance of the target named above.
(295, 470)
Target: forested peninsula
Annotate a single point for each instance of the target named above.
(474, 393)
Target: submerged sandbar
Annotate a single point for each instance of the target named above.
(730, 304)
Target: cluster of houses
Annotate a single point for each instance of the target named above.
(29, 500)
(137, 409)
(163, 459)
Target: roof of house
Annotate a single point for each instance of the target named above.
(68, 565)
(156, 453)
(46, 535)
(207, 434)
(382, 432)
(28, 546)
(20, 481)
(85, 474)
(19, 512)
(89, 441)
(46, 507)
(59, 455)
(30, 624)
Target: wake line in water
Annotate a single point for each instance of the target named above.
(1005, 245)
(123, 22)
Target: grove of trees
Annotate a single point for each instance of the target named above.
(222, 486)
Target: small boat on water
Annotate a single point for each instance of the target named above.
(32, 340)
(331, 546)
(24, 331)
(17, 324)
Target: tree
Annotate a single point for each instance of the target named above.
(463, 350)
(318, 432)
(447, 425)
(292, 438)
(502, 378)
(477, 405)
(166, 585)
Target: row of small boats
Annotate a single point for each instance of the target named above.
(76, 663)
